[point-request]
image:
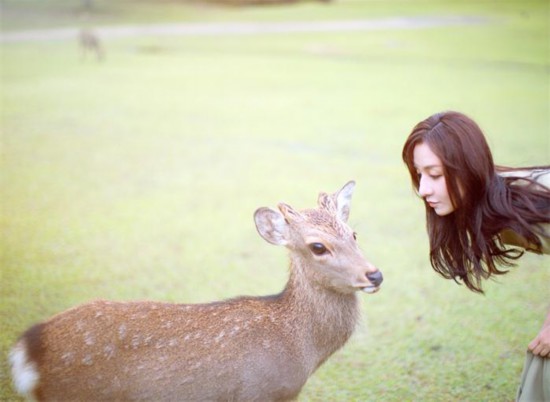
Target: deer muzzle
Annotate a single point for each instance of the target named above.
(375, 278)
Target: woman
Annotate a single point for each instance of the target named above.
(480, 216)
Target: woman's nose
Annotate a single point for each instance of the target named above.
(424, 189)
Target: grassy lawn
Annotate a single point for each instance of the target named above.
(137, 178)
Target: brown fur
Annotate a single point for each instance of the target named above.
(246, 348)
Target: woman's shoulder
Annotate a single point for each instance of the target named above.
(537, 174)
(540, 175)
(512, 238)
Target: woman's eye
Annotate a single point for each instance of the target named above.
(318, 248)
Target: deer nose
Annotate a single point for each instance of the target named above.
(375, 278)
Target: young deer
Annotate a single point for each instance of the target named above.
(242, 349)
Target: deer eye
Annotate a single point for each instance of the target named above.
(318, 248)
(354, 235)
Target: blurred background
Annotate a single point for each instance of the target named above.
(138, 137)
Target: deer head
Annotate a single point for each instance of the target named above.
(321, 243)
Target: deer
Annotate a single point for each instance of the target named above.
(89, 43)
(247, 348)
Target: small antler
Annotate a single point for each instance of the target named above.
(290, 214)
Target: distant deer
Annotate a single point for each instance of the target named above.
(89, 43)
(242, 349)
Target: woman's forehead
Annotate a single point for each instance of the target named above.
(424, 157)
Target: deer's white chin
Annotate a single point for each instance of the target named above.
(370, 289)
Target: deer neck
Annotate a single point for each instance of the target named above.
(326, 317)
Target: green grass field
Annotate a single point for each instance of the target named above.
(137, 178)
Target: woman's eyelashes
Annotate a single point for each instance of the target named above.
(433, 176)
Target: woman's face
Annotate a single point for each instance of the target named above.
(432, 187)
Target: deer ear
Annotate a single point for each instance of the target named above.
(271, 225)
(343, 201)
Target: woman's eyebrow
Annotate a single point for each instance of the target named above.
(427, 167)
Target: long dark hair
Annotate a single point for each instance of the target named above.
(466, 244)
